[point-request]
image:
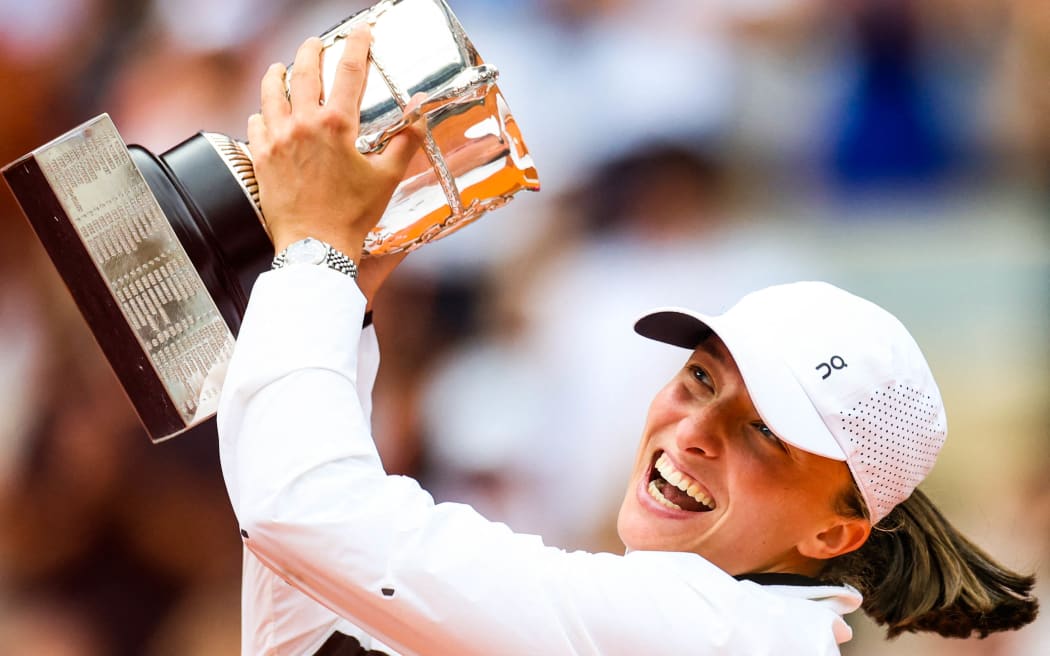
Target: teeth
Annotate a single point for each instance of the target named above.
(680, 481)
(674, 478)
(656, 494)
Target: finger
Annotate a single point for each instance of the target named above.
(401, 149)
(258, 137)
(274, 99)
(306, 76)
(414, 102)
(258, 143)
(351, 75)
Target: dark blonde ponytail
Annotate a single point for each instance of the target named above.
(918, 573)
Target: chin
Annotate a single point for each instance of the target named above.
(636, 531)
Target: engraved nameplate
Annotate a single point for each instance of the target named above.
(145, 268)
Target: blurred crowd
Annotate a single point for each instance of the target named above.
(689, 152)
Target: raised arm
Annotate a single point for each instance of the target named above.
(308, 487)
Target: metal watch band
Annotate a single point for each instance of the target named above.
(333, 259)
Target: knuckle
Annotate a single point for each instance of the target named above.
(298, 129)
(282, 136)
(389, 172)
(261, 152)
(417, 132)
(299, 73)
(333, 119)
(352, 66)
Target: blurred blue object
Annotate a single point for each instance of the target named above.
(891, 132)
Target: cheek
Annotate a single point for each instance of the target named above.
(763, 481)
(657, 417)
(782, 497)
(665, 408)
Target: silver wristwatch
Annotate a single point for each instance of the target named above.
(315, 251)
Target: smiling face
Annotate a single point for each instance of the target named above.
(712, 479)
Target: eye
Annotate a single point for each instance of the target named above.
(767, 433)
(700, 375)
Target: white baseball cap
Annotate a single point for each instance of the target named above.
(832, 374)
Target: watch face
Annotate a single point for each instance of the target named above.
(306, 251)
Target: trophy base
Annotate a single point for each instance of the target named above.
(159, 254)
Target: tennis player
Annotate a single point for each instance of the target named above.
(774, 489)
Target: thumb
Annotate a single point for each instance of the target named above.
(400, 150)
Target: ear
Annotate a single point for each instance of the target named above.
(844, 536)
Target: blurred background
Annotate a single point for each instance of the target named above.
(689, 151)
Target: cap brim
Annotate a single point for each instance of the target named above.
(777, 395)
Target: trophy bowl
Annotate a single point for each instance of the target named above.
(160, 251)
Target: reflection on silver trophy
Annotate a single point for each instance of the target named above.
(160, 252)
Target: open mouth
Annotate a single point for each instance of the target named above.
(675, 490)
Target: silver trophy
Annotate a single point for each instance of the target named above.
(160, 252)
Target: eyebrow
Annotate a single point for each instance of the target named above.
(706, 346)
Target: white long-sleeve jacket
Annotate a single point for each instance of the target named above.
(334, 544)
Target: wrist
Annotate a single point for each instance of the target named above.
(315, 252)
(352, 248)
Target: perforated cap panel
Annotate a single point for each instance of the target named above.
(894, 435)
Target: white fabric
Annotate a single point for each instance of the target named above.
(311, 496)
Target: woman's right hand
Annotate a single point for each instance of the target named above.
(313, 182)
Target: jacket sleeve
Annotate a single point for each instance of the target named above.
(315, 505)
(276, 618)
(317, 508)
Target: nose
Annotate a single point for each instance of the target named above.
(700, 432)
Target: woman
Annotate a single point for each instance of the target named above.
(773, 490)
